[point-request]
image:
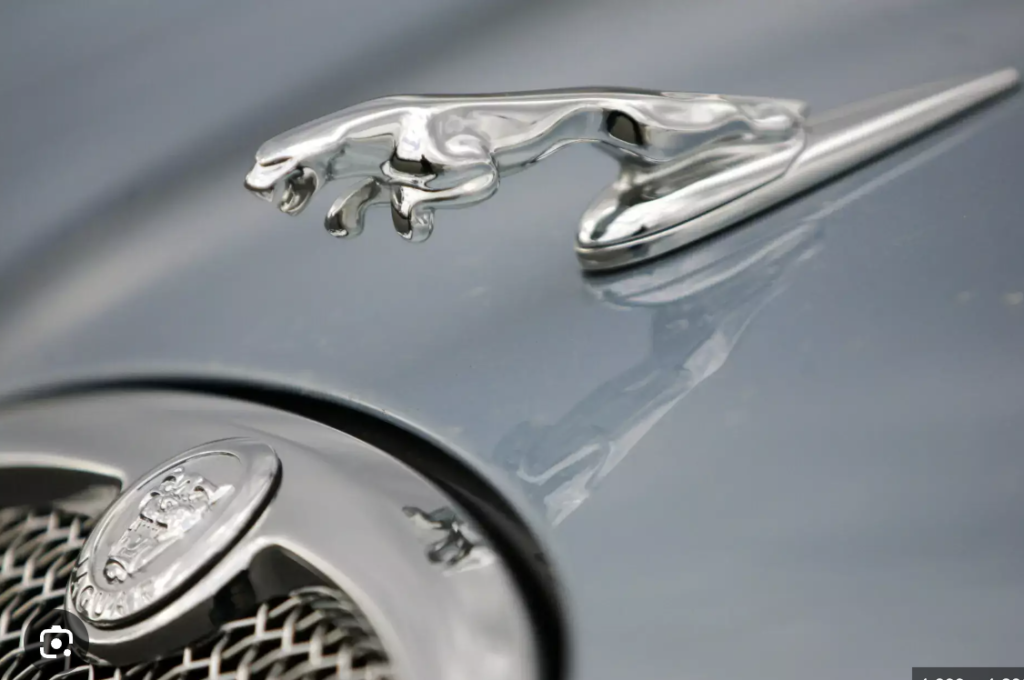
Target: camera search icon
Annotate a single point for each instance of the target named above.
(61, 639)
(55, 641)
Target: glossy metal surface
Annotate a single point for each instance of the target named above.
(839, 498)
(421, 153)
(690, 164)
(340, 511)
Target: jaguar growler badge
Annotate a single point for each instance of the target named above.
(166, 529)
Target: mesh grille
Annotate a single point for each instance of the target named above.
(313, 633)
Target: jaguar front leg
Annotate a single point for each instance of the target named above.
(347, 215)
(412, 208)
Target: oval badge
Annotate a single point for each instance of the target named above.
(168, 528)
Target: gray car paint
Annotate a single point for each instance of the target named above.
(816, 459)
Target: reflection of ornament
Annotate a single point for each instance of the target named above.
(700, 302)
(460, 542)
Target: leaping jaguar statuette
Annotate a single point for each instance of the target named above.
(690, 164)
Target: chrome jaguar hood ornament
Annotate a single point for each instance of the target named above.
(690, 164)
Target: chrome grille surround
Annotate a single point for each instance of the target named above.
(344, 515)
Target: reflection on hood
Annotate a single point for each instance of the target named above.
(700, 303)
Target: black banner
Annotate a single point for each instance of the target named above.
(967, 673)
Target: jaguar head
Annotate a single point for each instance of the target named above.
(284, 180)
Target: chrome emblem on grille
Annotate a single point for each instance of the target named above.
(165, 515)
(168, 527)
